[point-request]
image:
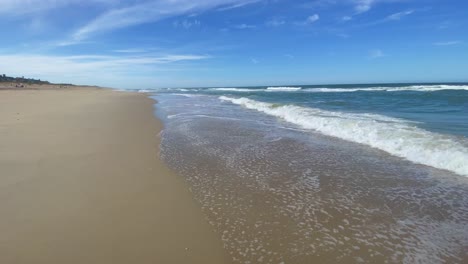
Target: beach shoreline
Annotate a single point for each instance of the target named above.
(81, 182)
(277, 191)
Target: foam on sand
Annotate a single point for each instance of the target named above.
(395, 136)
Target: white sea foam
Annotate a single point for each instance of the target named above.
(283, 89)
(236, 89)
(189, 95)
(394, 136)
(417, 88)
(145, 91)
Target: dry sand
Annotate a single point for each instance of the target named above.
(81, 182)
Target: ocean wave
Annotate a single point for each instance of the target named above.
(394, 136)
(283, 89)
(236, 89)
(145, 91)
(416, 88)
(188, 95)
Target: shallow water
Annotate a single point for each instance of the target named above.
(277, 192)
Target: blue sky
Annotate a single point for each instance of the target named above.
(183, 43)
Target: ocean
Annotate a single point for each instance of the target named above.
(325, 174)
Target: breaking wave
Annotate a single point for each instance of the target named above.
(145, 91)
(282, 89)
(416, 88)
(236, 89)
(395, 136)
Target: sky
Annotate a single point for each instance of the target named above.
(141, 44)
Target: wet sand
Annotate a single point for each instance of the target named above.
(81, 182)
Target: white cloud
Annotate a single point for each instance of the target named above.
(186, 24)
(76, 68)
(376, 53)
(21, 7)
(318, 4)
(275, 22)
(238, 5)
(399, 15)
(359, 6)
(445, 25)
(245, 26)
(69, 43)
(150, 11)
(362, 6)
(447, 43)
(309, 20)
(391, 18)
(130, 50)
(347, 18)
(254, 61)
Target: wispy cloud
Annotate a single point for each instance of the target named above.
(186, 24)
(21, 7)
(309, 20)
(359, 6)
(86, 65)
(362, 6)
(447, 43)
(313, 18)
(130, 50)
(347, 18)
(70, 42)
(237, 5)
(254, 61)
(445, 25)
(275, 22)
(343, 35)
(390, 18)
(150, 11)
(399, 15)
(245, 26)
(376, 53)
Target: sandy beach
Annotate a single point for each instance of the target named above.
(81, 182)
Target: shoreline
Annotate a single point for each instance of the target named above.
(279, 193)
(82, 183)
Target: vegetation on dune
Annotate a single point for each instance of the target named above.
(22, 80)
